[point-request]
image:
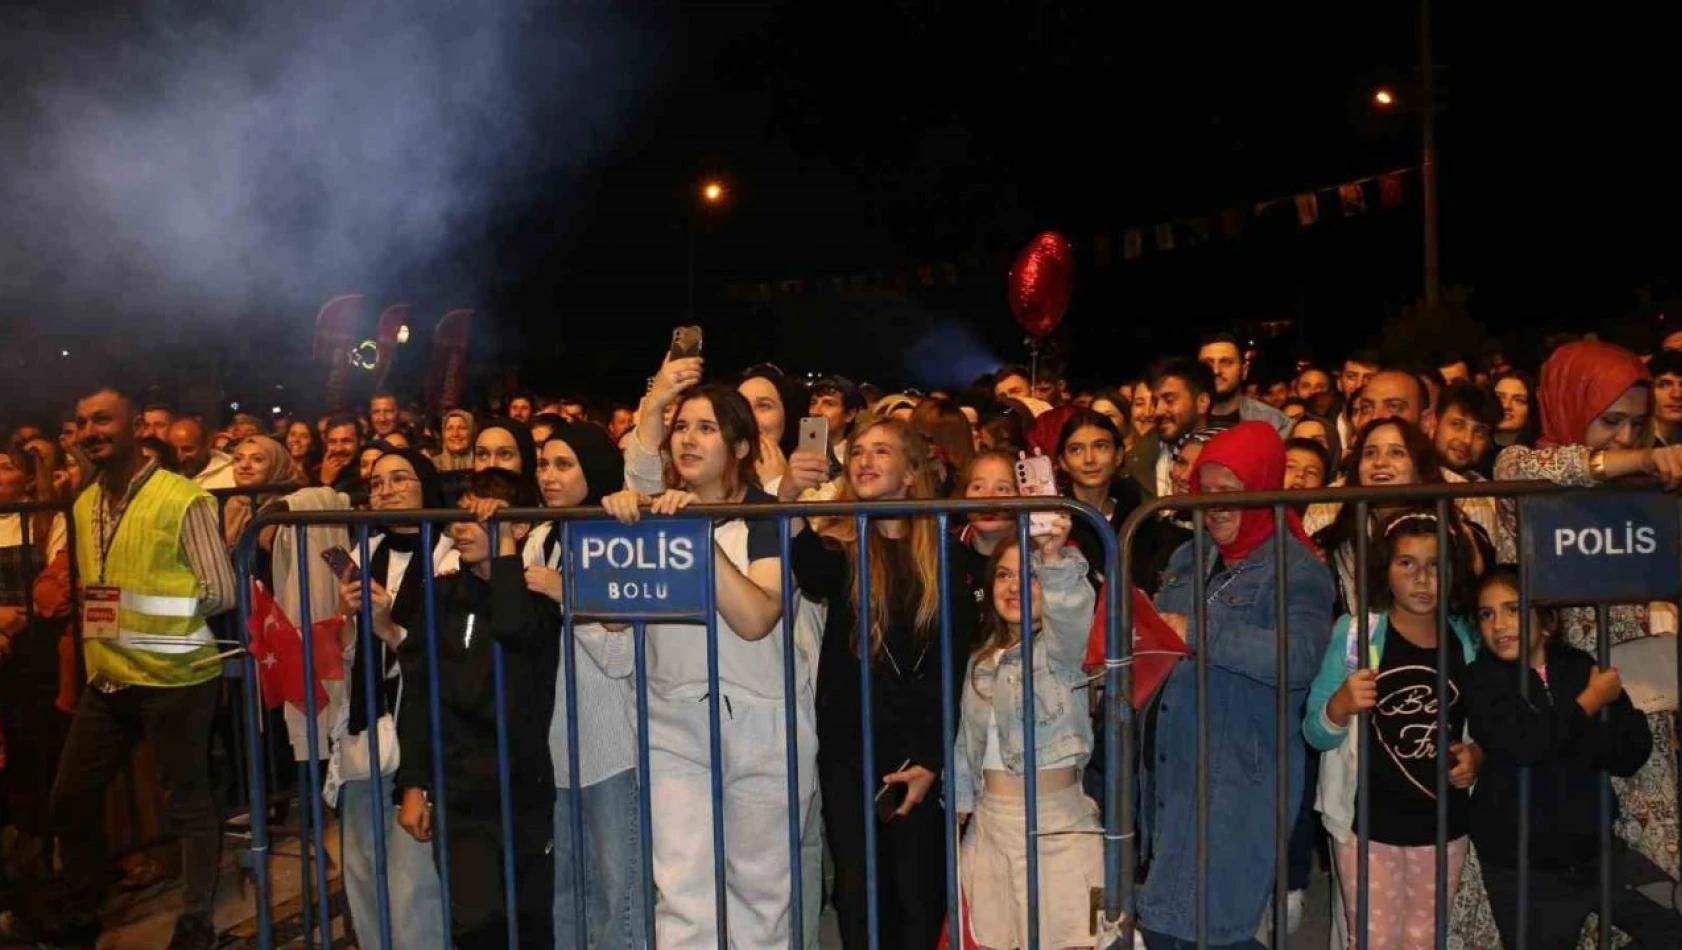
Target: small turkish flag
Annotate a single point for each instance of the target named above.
(279, 651)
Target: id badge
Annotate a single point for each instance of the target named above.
(99, 612)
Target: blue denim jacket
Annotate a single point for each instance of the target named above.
(1243, 670)
(1062, 725)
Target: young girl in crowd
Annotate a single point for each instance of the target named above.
(576, 467)
(886, 461)
(1396, 685)
(989, 758)
(1555, 730)
(713, 448)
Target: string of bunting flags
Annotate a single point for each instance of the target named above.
(1308, 208)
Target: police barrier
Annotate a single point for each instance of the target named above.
(619, 574)
(1616, 543)
(1121, 851)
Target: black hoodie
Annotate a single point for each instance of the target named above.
(1564, 748)
(526, 624)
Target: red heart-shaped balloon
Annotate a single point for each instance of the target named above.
(1040, 283)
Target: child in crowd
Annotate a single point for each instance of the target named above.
(1571, 722)
(989, 759)
(1396, 686)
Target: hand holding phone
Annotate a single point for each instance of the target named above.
(891, 796)
(686, 342)
(814, 435)
(339, 562)
(1035, 478)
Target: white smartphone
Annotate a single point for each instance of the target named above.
(814, 435)
(1035, 478)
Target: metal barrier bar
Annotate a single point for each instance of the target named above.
(861, 569)
(1030, 764)
(373, 684)
(645, 792)
(440, 811)
(715, 759)
(1200, 617)
(948, 728)
(1445, 740)
(1524, 641)
(505, 791)
(258, 856)
(1285, 811)
(575, 822)
(792, 747)
(313, 813)
(1363, 727)
(1603, 658)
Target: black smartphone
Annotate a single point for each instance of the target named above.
(889, 798)
(339, 562)
(686, 342)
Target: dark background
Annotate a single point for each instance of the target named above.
(878, 137)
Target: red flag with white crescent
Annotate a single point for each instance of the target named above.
(385, 340)
(449, 358)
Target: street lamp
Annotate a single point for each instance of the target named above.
(712, 194)
(1383, 97)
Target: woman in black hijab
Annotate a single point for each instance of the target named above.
(400, 480)
(503, 443)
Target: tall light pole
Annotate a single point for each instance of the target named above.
(712, 194)
(1428, 154)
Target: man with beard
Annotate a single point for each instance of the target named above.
(1466, 418)
(154, 569)
(1184, 391)
(1230, 406)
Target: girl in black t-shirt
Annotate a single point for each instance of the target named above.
(1396, 685)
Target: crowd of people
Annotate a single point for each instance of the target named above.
(153, 558)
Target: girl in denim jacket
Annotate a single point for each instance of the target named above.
(1395, 685)
(990, 759)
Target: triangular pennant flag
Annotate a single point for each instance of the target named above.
(1165, 236)
(1232, 223)
(1132, 243)
(1354, 200)
(1390, 191)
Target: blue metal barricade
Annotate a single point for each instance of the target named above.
(1121, 848)
(862, 514)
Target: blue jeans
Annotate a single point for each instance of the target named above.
(417, 909)
(1156, 941)
(610, 866)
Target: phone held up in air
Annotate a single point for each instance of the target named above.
(686, 342)
(339, 562)
(814, 435)
(1035, 478)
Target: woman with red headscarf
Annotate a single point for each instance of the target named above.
(1240, 564)
(1595, 399)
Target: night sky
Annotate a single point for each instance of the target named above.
(878, 137)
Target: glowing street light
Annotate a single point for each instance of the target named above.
(1384, 97)
(712, 192)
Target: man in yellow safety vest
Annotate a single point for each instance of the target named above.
(153, 567)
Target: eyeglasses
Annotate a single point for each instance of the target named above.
(396, 481)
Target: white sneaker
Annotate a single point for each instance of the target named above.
(1294, 902)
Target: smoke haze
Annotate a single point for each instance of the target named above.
(183, 161)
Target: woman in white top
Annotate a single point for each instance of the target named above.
(576, 466)
(713, 449)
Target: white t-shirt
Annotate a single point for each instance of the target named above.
(11, 533)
